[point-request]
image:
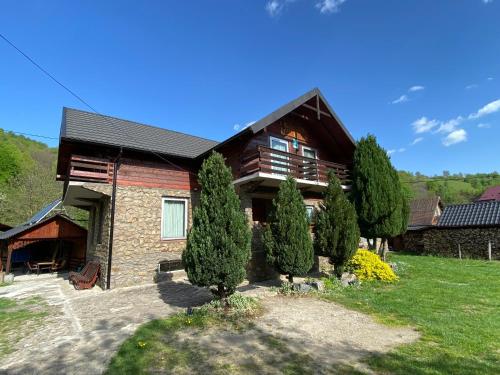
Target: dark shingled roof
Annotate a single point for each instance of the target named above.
(423, 211)
(491, 194)
(90, 127)
(473, 214)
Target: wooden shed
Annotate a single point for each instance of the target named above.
(52, 239)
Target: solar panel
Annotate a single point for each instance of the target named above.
(43, 212)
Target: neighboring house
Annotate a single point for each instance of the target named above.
(424, 213)
(48, 237)
(475, 227)
(139, 182)
(490, 194)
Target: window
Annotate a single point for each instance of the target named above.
(173, 218)
(279, 161)
(309, 152)
(310, 213)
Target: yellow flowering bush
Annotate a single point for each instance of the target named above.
(368, 266)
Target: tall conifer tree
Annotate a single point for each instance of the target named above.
(287, 239)
(337, 231)
(218, 245)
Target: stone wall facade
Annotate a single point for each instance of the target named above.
(473, 242)
(413, 241)
(137, 243)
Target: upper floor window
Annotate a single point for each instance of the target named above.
(310, 213)
(174, 218)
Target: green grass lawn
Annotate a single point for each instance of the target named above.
(454, 304)
(17, 317)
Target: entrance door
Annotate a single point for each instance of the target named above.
(310, 170)
(279, 159)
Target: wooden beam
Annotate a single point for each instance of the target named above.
(9, 256)
(317, 109)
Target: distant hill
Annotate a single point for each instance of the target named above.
(453, 189)
(27, 178)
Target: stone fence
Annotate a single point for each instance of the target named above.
(473, 242)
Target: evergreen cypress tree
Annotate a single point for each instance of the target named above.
(337, 231)
(218, 245)
(377, 191)
(287, 239)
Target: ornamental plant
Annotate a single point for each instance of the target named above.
(368, 266)
(218, 245)
(287, 239)
(336, 231)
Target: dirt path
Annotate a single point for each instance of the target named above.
(87, 328)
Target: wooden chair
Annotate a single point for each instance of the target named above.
(83, 272)
(87, 281)
(32, 267)
(58, 265)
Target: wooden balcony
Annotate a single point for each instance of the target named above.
(279, 163)
(90, 169)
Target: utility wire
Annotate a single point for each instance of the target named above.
(79, 98)
(31, 135)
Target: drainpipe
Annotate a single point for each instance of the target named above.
(116, 166)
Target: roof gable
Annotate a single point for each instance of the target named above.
(472, 214)
(423, 211)
(312, 100)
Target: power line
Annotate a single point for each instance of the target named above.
(79, 98)
(31, 135)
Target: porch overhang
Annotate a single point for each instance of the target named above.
(274, 180)
(77, 195)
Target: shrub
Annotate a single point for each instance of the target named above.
(368, 266)
(237, 302)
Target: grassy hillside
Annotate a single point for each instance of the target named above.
(453, 189)
(27, 178)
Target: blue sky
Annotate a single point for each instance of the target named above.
(422, 75)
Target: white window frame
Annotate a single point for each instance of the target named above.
(285, 168)
(186, 209)
(309, 149)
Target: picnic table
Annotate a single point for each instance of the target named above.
(44, 266)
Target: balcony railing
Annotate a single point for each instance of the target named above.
(268, 160)
(89, 169)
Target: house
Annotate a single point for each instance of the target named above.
(490, 194)
(48, 237)
(469, 230)
(424, 214)
(139, 182)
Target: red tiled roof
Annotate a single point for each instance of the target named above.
(491, 194)
(422, 211)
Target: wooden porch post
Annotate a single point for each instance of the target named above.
(9, 255)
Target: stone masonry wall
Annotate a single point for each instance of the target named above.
(473, 242)
(137, 244)
(413, 241)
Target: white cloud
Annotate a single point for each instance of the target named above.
(486, 110)
(472, 86)
(450, 125)
(417, 140)
(490, 78)
(274, 7)
(484, 126)
(454, 137)
(329, 6)
(390, 152)
(236, 127)
(401, 99)
(487, 1)
(423, 125)
(402, 149)
(416, 88)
